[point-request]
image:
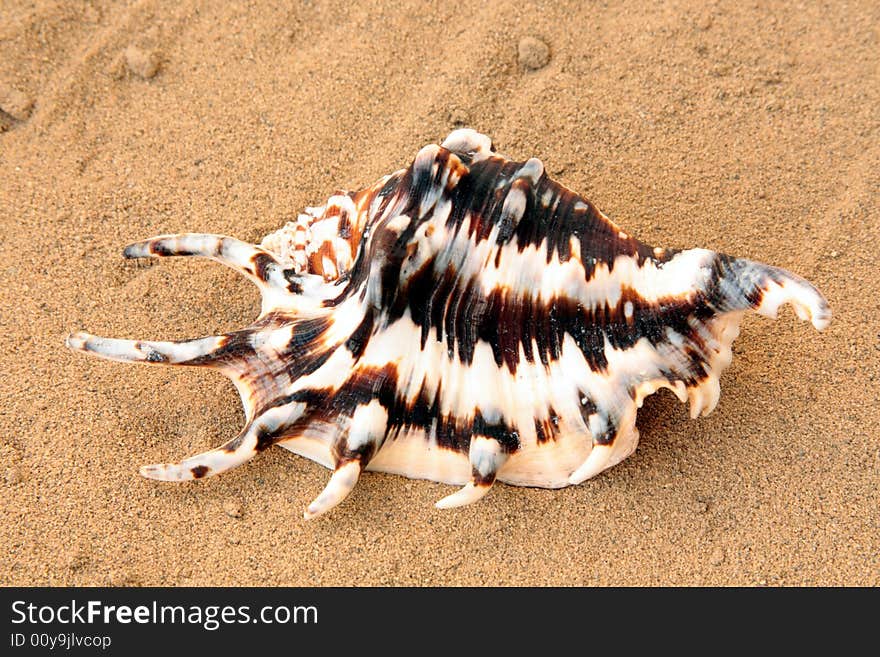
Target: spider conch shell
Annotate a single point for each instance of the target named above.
(465, 320)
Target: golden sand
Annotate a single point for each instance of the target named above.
(752, 131)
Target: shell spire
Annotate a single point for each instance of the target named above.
(466, 320)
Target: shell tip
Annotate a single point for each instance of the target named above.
(135, 250)
(172, 472)
(76, 341)
(821, 318)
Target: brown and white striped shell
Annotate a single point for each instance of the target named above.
(463, 320)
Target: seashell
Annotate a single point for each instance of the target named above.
(464, 320)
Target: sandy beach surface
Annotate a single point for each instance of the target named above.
(748, 128)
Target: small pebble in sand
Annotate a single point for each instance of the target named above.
(123, 578)
(15, 103)
(77, 560)
(143, 63)
(717, 557)
(458, 117)
(14, 475)
(232, 508)
(534, 54)
(699, 506)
